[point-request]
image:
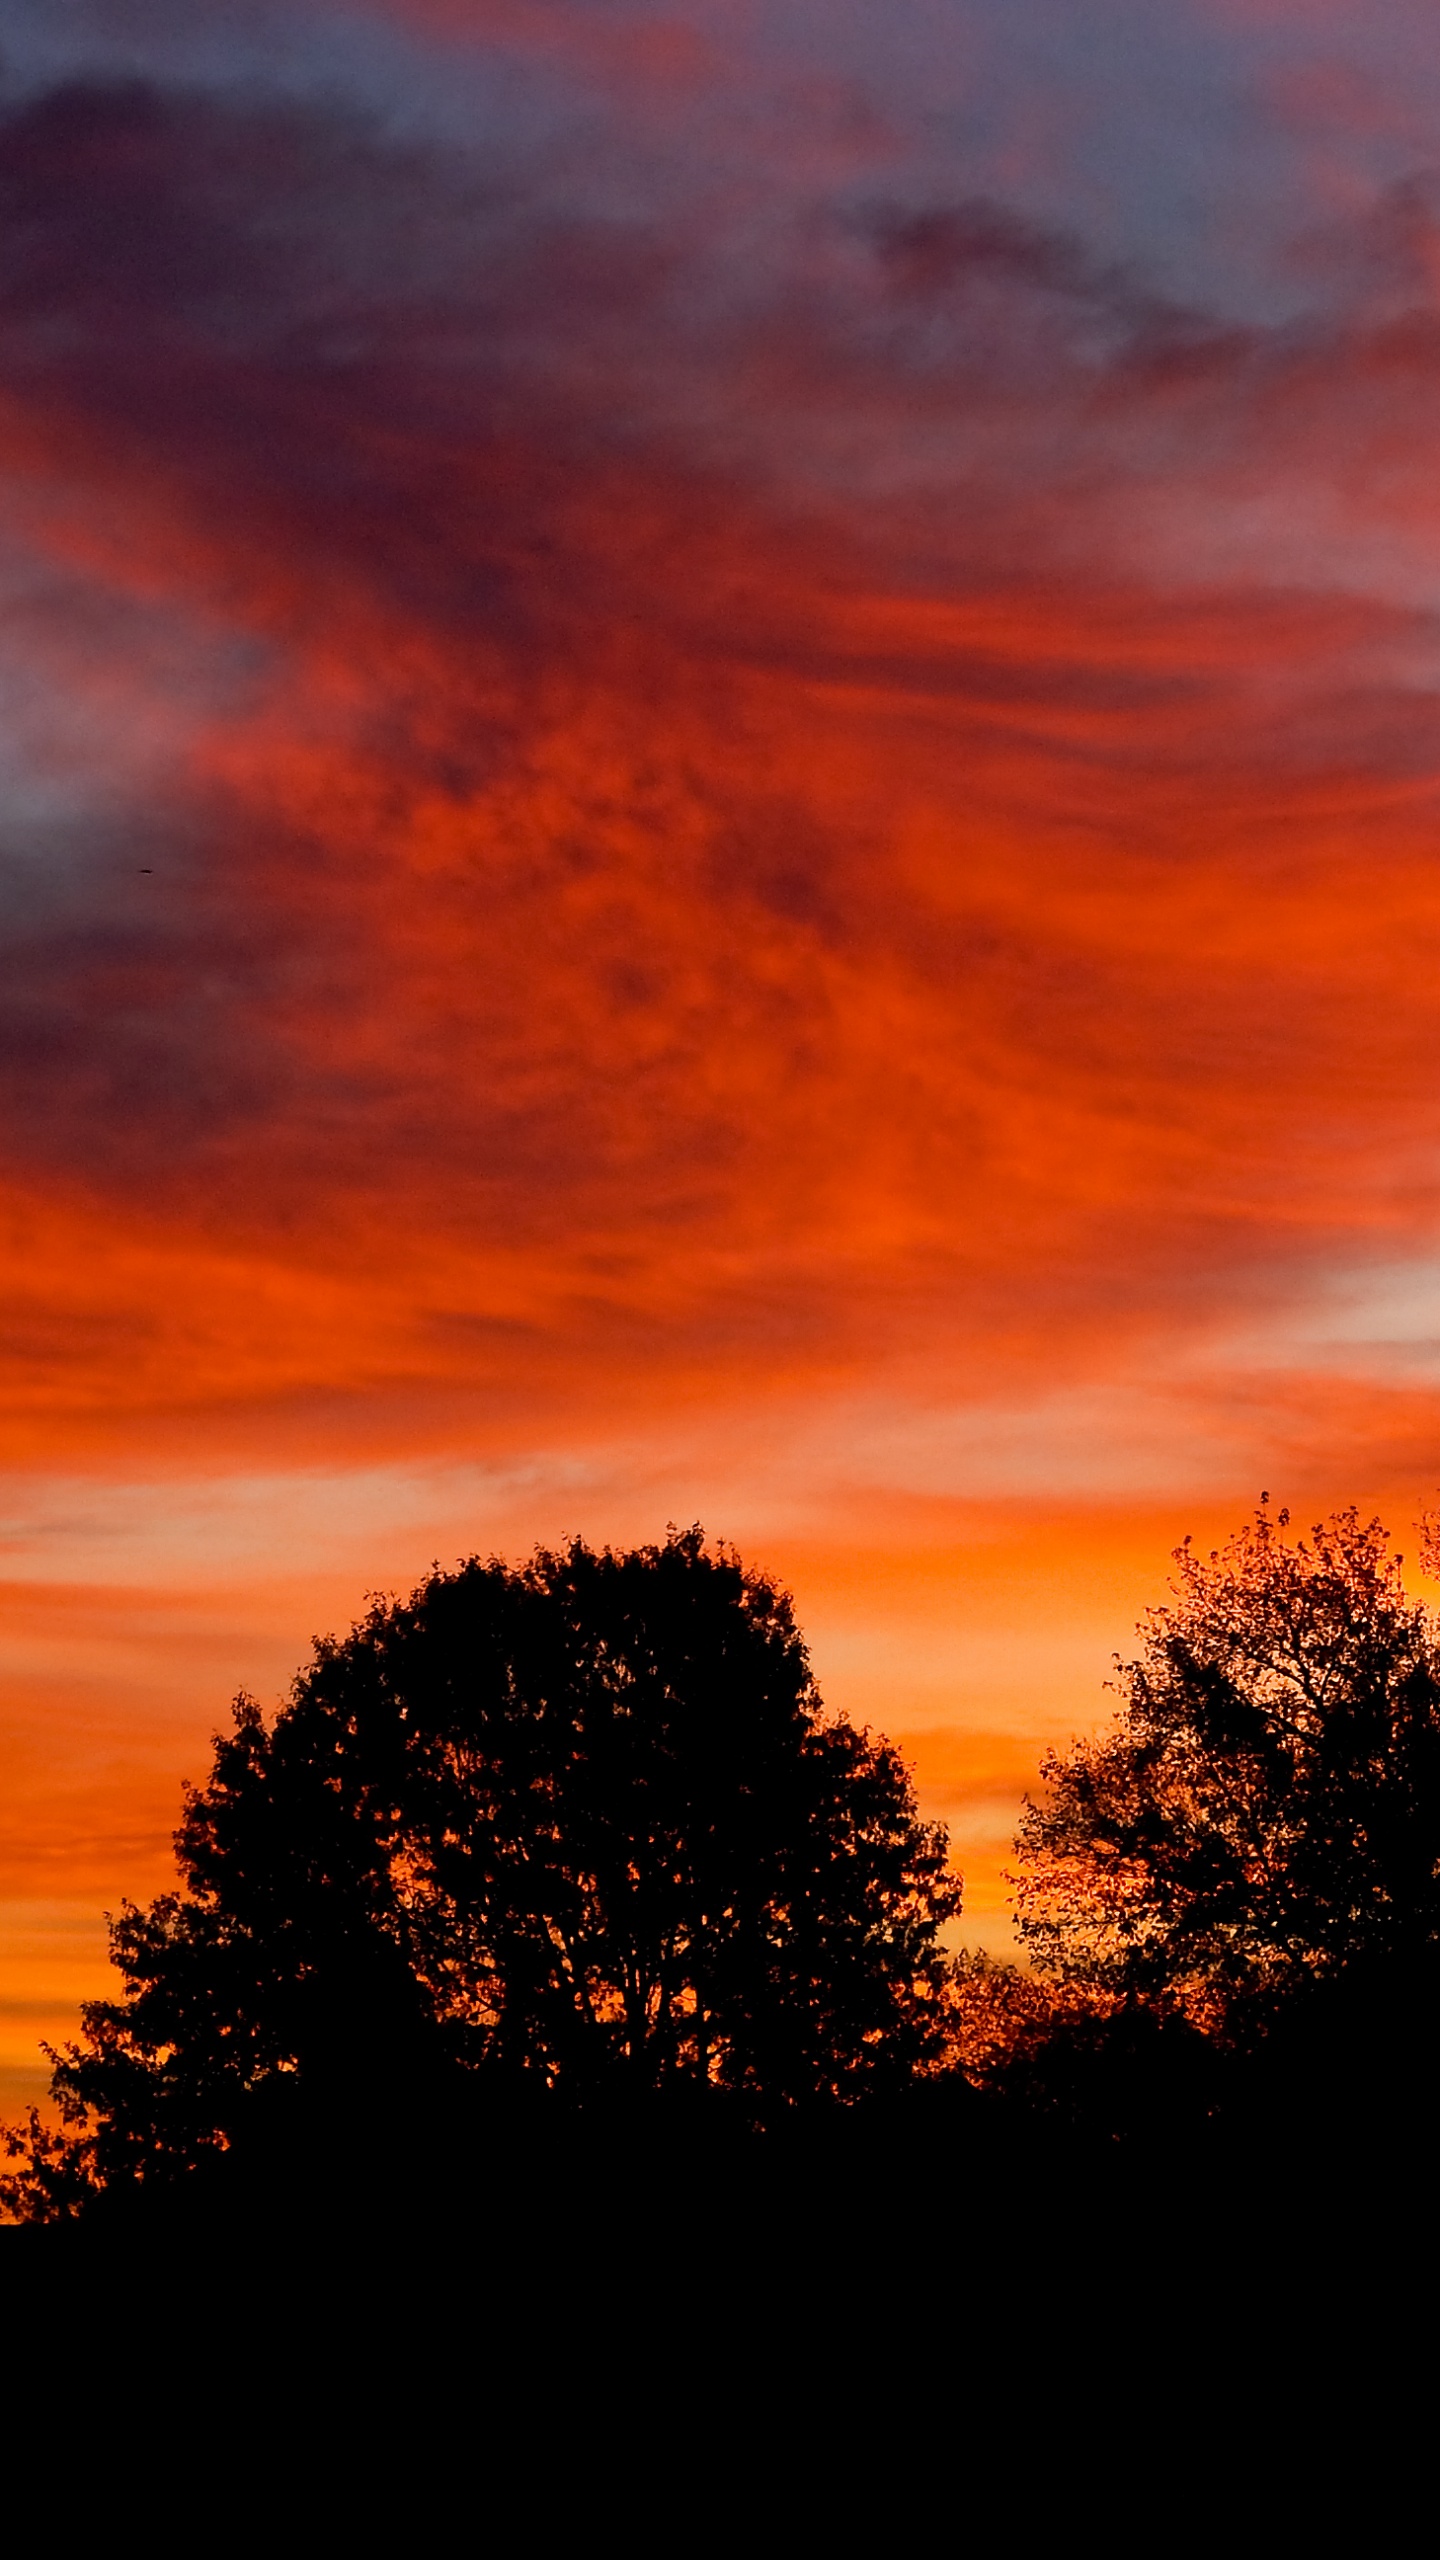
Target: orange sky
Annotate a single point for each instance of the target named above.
(720, 761)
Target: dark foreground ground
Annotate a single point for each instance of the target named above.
(941, 2320)
(944, 2205)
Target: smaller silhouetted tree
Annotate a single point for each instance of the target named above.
(581, 1830)
(1263, 1816)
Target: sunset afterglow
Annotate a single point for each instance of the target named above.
(721, 750)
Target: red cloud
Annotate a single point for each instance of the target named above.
(645, 813)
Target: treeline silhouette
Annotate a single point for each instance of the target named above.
(552, 1877)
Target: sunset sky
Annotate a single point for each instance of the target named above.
(720, 731)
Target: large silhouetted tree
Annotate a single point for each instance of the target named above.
(1264, 1814)
(580, 1829)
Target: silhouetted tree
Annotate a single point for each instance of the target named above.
(1264, 1814)
(580, 1828)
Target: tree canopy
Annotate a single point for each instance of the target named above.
(1264, 1812)
(578, 1828)
(580, 1837)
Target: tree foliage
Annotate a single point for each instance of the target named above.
(581, 1828)
(1264, 1813)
